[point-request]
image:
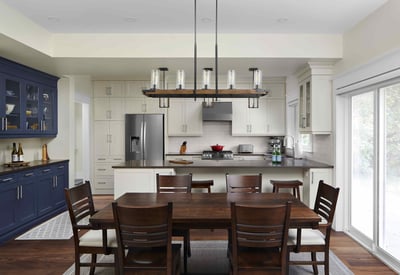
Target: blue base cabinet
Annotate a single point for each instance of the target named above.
(31, 196)
(28, 102)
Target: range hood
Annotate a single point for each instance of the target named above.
(217, 111)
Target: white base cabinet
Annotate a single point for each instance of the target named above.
(311, 181)
(137, 180)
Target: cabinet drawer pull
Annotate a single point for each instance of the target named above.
(46, 170)
(20, 190)
(60, 167)
(101, 182)
(101, 169)
(28, 175)
(7, 179)
(101, 159)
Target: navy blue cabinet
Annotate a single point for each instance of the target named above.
(28, 101)
(30, 196)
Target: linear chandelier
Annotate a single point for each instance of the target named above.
(158, 81)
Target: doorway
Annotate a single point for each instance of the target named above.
(82, 148)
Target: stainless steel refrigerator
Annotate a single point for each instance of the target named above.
(144, 136)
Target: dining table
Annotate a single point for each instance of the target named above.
(208, 210)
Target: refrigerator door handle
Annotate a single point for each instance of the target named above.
(144, 126)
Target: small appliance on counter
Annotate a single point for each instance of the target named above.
(245, 148)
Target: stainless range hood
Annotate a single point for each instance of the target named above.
(217, 111)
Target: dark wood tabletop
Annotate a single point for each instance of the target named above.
(208, 210)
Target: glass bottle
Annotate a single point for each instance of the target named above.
(20, 153)
(14, 153)
(278, 155)
(274, 156)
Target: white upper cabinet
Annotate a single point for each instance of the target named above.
(137, 103)
(315, 99)
(108, 100)
(266, 120)
(108, 89)
(185, 118)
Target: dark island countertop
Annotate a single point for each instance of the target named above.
(286, 163)
(32, 164)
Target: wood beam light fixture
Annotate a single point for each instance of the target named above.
(159, 88)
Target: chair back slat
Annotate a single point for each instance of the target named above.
(80, 204)
(260, 226)
(144, 227)
(174, 183)
(243, 183)
(325, 203)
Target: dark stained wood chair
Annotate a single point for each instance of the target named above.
(144, 235)
(287, 184)
(243, 183)
(202, 184)
(80, 205)
(316, 240)
(177, 184)
(259, 239)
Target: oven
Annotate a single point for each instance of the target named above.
(217, 155)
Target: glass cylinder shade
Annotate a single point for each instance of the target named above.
(257, 81)
(155, 79)
(231, 79)
(206, 78)
(180, 79)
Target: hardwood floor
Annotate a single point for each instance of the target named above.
(54, 257)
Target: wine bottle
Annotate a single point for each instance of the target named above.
(14, 153)
(20, 153)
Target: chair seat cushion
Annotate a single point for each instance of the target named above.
(150, 257)
(94, 238)
(308, 237)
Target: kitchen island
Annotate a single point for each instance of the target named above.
(139, 175)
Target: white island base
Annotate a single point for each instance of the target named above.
(144, 179)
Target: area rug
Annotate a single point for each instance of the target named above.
(209, 257)
(57, 228)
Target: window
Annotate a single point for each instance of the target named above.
(374, 167)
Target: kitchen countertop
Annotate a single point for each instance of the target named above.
(32, 164)
(286, 163)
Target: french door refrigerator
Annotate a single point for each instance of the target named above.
(144, 137)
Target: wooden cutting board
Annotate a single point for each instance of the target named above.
(181, 161)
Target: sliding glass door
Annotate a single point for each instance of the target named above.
(362, 172)
(389, 179)
(375, 167)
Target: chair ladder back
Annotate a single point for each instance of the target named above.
(260, 226)
(174, 183)
(243, 183)
(144, 227)
(325, 203)
(79, 202)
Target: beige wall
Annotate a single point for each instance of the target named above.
(372, 38)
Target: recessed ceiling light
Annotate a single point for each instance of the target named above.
(282, 20)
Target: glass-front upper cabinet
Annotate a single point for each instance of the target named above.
(11, 102)
(28, 104)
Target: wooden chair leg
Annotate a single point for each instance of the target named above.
(314, 259)
(77, 265)
(326, 264)
(93, 264)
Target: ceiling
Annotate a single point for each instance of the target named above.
(176, 16)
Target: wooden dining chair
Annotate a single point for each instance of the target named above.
(243, 183)
(80, 205)
(144, 235)
(316, 240)
(259, 238)
(177, 184)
